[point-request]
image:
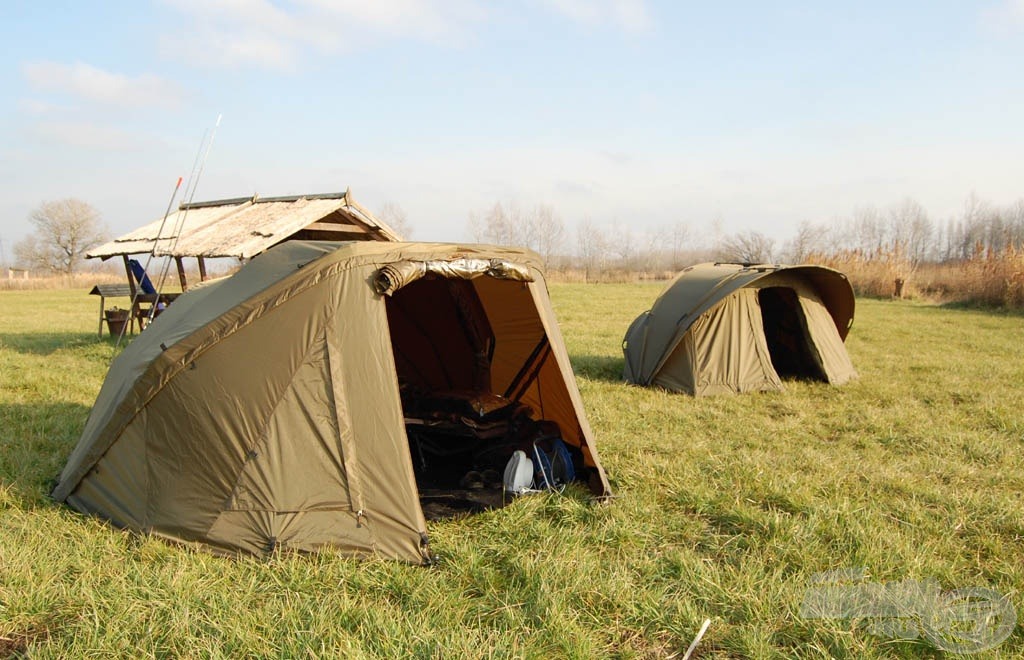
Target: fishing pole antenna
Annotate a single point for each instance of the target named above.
(190, 191)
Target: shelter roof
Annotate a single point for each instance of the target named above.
(246, 226)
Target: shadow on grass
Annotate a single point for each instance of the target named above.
(35, 442)
(47, 343)
(967, 306)
(16, 644)
(598, 367)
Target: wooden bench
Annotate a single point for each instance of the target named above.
(105, 291)
(141, 306)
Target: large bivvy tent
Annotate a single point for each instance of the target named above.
(265, 411)
(731, 328)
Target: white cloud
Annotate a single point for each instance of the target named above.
(87, 82)
(1005, 18)
(211, 45)
(88, 135)
(417, 18)
(234, 33)
(631, 15)
(231, 33)
(39, 107)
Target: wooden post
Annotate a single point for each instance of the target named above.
(181, 273)
(131, 277)
(131, 288)
(202, 268)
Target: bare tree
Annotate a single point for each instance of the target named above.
(477, 227)
(947, 242)
(810, 239)
(1015, 224)
(540, 230)
(750, 247)
(592, 247)
(655, 251)
(551, 232)
(870, 232)
(493, 226)
(395, 217)
(983, 226)
(623, 246)
(911, 230)
(679, 236)
(64, 231)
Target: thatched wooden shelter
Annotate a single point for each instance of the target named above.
(244, 227)
(238, 228)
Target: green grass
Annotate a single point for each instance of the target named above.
(726, 506)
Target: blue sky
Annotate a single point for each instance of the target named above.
(634, 113)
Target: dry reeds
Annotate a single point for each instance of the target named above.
(569, 275)
(992, 278)
(86, 280)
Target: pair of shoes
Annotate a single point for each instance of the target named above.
(492, 478)
(472, 481)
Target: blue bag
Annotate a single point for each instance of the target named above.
(552, 469)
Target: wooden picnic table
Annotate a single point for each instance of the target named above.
(141, 306)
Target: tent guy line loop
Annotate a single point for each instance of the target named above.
(696, 640)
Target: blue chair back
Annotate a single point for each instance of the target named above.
(141, 277)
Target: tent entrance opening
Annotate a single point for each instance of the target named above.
(785, 331)
(461, 373)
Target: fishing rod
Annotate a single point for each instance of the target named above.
(190, 193)
(190, 190)
(135, 296)
(213, 136)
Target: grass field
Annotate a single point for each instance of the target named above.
(726, 507)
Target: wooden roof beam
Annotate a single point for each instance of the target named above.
(336, 227)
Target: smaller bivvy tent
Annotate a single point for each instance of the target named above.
(730, 328)
(310, 399)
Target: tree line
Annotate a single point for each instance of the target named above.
(904, 228)
(64, 230)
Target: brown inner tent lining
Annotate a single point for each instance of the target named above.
(478, 381)
(785, 330)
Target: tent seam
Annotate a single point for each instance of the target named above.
(262, 435)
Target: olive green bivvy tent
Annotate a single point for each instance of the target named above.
(265, 410)
(731, 328)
